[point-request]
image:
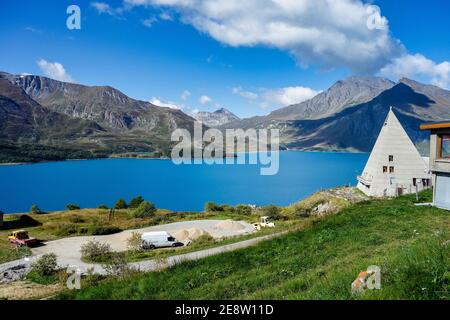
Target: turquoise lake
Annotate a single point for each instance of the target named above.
(52, 185)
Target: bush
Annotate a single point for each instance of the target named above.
(46, 265)
(204, 239)
(116, 265)
(134, 241)
(100, 230)
(145, 209)
(135, 202)
(35, 209)
(273, 212)
(243, 209)
(66, 229)
(120, 204)
(212, 207)
(226, 208)
(103, 206)
(72, 206)
(94, 251)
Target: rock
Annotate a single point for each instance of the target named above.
(14, 273)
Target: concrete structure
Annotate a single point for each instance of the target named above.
(395, 167)
(440, 162)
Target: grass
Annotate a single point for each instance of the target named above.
(409, 244)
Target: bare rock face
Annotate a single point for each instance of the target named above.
(216, 118)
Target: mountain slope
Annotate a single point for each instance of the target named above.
(216, 118)
(39, 109)
(356, 127)
(103, 104)
(341, 95)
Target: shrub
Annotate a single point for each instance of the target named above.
(72, 206)
(120, 204)
(134, 241)
(145, 209)
(212, 207)
(135, 202)
(103, 206)
(46, 265)
(116, 265)
(203, 239)
(100, 230)
(66, 229)
(273, 212)
(226, 208)
(94, 251)
(243, 209)
(35, 209)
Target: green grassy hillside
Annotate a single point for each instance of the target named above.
(409, 243)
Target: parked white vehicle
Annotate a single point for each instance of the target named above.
(158, 239)
(264, 223)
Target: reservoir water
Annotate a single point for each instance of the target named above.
(52, 185)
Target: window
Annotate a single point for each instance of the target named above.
(414, 182)
(444, 146)
(391, 158)
(385, 168)
(391, 170)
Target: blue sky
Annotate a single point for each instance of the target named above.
(156, 52)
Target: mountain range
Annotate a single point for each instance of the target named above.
(349, 115)
(64, 120)
(216, 118)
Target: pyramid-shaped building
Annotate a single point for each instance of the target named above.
(395, 167)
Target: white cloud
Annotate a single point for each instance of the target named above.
(327, 32)
(165, 16)
(275, 98)
(149, 22)
(54, 70)
(205, 100)
(411, 66)
(167, 104)
(103, 7)
(245, 94)
(289, 95)
(185, 95)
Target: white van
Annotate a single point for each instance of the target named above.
(158, 239)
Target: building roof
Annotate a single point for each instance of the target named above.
(436, 125)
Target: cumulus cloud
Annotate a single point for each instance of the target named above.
(270, 98)
(411, 66)
(290, 95)
(103, 7)
(167, 104)
(149, 22)
(185, 95)
(54, 70)
(245, 94)
(205, 100)
(330, 33)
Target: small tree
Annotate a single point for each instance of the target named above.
(103, 207)
(243, 209)
(120, 204)
(95, 251)
(72, 206)
(212, 207)
(45, 265)
(134, 241)
(145, 209)
(273, 212)
(135, 202)
(35, 209)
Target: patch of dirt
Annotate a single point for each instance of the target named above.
(189, 234)
(22, 290)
